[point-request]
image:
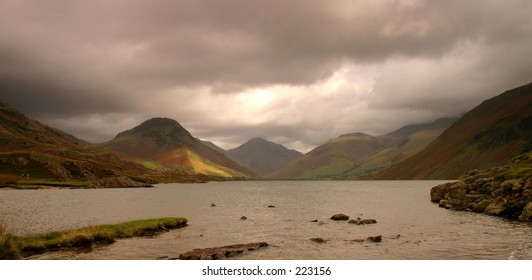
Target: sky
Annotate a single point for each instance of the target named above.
(294, 72)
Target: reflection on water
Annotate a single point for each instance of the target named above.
(400, 207)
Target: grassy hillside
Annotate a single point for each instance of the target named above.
(30, 151)
(487, 136)
(164, 146)
(354, 155)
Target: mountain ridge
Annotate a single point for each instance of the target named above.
(350, 156)
(487, 136)
(164, 143)
(262, 156)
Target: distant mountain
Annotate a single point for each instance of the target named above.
(487, 136)
(261, 156)
(354, 155)
(30, 150)
(163, 144)
(212, 146)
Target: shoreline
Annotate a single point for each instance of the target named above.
(20, 247)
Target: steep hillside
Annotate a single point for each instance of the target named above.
(212, 146)
(261, 156)
(164, 145)
(487, 136)
(31, 151)
(353, 155)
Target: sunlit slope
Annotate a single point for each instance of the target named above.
(30, 150)
(164, 145)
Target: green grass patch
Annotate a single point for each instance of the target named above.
(86, 237)
(37, 184)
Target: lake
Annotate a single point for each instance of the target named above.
(400, 207)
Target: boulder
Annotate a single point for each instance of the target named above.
(497, 207)
(368, 221)
(317, 240)
(526, 215)
(224, 252)
(481, 206)
(340, 217)
(377, 238)
(243, 218)
(438, 192)
(457, 190)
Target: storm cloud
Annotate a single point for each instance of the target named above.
(295, 72)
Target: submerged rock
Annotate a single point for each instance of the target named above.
(377, 238)
(340, 217)
(317, 240)
(218, 253)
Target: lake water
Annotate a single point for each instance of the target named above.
(400, 207)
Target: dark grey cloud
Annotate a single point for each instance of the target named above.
(116, 62)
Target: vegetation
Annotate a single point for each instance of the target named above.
(8, 250)
(83, 238)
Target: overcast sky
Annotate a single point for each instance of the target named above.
(294, 72)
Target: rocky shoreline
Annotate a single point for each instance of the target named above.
(482, 192)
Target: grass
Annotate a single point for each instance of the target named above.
(8, 250)
(87, 237)
(78, 184)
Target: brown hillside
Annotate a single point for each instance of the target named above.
(487, 136)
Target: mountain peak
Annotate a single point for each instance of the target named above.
(157, 128)
(262, 156)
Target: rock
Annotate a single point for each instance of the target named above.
(457, 190)
(356, 222)
(394, 236)
(526, 215)
(438, 192)
(224, 252)
(243, 218)
(271, 206)
(314, 221)
(317, 240)
(213, 205)
(377, 238)
(481, 206)
(368, 221)
(340, 217)
(497, 207)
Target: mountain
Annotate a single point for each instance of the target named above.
(351, 156)
(162, 144)
(30, 150)
(487, 136)
(212, 146)
(261, 156)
